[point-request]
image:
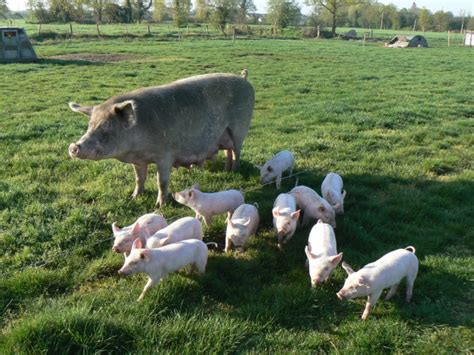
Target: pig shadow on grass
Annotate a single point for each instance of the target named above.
(382, 213)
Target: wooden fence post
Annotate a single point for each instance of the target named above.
(318, 32)
(98, 29)
(233, 34)
(39, 30)
(149, 30)
(70, 29)
(449, 38)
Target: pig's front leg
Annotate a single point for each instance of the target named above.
(391, 292)
(371, 301)
(162, 176)
(229, 161)
(305, 219)
(278, 181)
(228, 244)
(140, 177)
(207, 219)
(148, 285)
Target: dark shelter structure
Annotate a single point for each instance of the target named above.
(407, 42)
(15, 46)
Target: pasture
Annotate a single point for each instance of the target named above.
(396, 124)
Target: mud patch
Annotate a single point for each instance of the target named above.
(97, 58)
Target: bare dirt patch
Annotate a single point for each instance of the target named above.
(94, 57)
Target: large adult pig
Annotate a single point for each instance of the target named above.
(177, 124)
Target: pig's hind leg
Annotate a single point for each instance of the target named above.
(140, 177)
(391, 292)
(371, 301)
(410, 283)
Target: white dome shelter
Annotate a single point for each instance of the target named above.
(15, 46)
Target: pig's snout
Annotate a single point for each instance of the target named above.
(340, 295)
(74, 150)
(115, 249)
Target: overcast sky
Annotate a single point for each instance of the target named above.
(455, 6)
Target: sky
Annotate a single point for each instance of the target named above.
(455, 6)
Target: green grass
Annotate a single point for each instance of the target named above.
(396, 124)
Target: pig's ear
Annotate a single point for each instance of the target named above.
(247, 222)
(308, 253)
(336, 206)
(137, 244)
(126, 110)
(276, 212)
(136, 230)
(336, 259)
(196, 186)
(145, 254)
(85, 110)
(347, 267)
(362, 281)
(115, 229)
(296, 215)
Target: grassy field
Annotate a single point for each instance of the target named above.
(169, 32)
(396, 124)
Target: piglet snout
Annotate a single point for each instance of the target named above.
(340, 295)
(115, 249)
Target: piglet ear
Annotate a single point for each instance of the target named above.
(136, 230)
(308, 253)
(145, 254)
(196, 186)
(363, 281)
(336, 206)
(276, 212)
(137, 244)
(336, 259)
(115, 229)
(296, 215)
(347, 267)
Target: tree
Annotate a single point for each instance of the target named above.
(114, 13)
(4, 11)
(202, 10)
(159, 11)
(283, 13)
(424, 19)
(128, 11)
(62, 10)
(139, 9)
(180, 10)
(244, 7)
(37, 11)
(333, 7)
(441, 21)
(98, 7)
(223, 12)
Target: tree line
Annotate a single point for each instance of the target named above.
(280, 13)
